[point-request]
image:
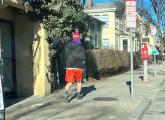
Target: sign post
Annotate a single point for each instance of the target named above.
(144, 57)
(154, 53)
(155, 65)
(131, 23)
(2, 108)
(154, 50)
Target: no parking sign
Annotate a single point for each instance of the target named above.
(155, 51)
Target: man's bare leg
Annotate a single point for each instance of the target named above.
(67, 88)
(79, 90)
(79, 86)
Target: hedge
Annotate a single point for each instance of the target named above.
(101, 62)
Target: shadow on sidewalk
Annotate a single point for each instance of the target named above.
(11, 100)
(84, 92)
(87, 90)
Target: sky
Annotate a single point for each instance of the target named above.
(146, 2)
(96, 1)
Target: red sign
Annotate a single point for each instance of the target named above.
(76, 36)
(144, 52)
(153, 29)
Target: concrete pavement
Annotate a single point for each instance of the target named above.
(157, 109)
(105, 99)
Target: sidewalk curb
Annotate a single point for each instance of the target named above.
(143, 106)
(161, 83)
(141, 109)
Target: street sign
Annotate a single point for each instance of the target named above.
(131, 13)
(155, 51)
(153, 29)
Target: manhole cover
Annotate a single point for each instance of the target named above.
(162, 90)
(162, 112)
(161, 99)
(105, 99)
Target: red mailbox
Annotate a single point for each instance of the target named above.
(144, 52)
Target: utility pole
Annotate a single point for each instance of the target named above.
(154, 50)
(132, 65)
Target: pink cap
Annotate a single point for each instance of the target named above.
(76, 36)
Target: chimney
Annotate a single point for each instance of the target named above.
(89, 4)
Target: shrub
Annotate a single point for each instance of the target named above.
(102, 62)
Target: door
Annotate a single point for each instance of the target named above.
(7, 53)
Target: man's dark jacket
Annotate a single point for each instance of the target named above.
(74, 55)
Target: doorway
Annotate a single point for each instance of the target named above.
(7, 46)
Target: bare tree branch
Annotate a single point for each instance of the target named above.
(154, 14)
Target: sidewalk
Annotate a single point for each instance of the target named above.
(157, 109)
(104, 100)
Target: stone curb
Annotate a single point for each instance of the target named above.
(141, 109)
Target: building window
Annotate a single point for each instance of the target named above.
(97, 17)
(128, 29)
(105, 19)
(106, 43)
(125, 45)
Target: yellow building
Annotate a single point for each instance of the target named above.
(105, 13)
(115, 34)
(24, 51)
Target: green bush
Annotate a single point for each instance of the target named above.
(102, 62)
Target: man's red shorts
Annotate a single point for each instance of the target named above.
(73, 74)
